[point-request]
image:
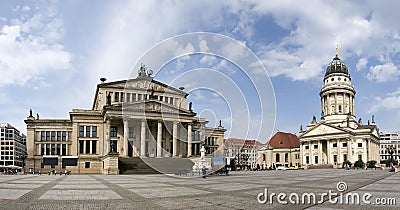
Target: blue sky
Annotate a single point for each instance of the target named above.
(52, 53)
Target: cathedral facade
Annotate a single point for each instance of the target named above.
(139, 117)
(338, 137)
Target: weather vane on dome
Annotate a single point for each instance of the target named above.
(337, 50)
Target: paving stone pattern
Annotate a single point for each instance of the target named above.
(236, 191)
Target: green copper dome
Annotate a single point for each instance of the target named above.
(336, 66)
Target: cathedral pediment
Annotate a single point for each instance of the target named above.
(323, 129)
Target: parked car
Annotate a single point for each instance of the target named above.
(294, 168)
(282, 168)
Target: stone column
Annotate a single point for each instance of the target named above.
(143, 138)
(320, 152)
(310, 156)
(108, 137)
(349, 154)
(365, 155)
(328, 151)
(195, 149)
(301, 154)
(159, 139)
(339, 154)
(189, 153)
(126, 127)
(175, 139)
(336, 104)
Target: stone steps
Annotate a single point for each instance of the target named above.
(329, 166)
(169, 165)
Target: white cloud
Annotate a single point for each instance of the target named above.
(316, 29)
(383, 73)
(361, 64)
(389, 102)
(208, 59)
(203, 46)
(30, 48)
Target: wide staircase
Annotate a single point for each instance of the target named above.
(329, 166)
(168, 165)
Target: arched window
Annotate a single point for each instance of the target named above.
(277, 158)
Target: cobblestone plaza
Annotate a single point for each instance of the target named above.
(236, 191)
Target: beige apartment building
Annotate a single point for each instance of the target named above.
(139, 117)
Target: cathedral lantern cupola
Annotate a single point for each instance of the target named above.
(337, 93)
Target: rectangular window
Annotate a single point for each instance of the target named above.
(161, 98)
(286, 157)
(144, 96)
(58, 135)
(139, 97)
(53, 149)
(81, 131)
(335, 158)
(128, 97)
(87, 131)
(130, 132)
(47, 135)
(42, 136)
(344, 157)
(114, 131)
(94, 145)
(47, 149)
(64, 135)
(359, 157)
(315, 146)
(359, 144)
(42, 149)
(81, 146)
(166, 99)
(58, 149)
(334, 145)
(171, 100)
(87, 147)
(116, 97)
(64, 149)
(307, 147)
(122, 97)
(307, 160)
(316, 159)
(94, 131)
(344, 144)
(133, 97)
(87, 164)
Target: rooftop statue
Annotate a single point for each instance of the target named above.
(144, 72)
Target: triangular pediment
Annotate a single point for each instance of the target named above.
(323, 129)
(143, 83)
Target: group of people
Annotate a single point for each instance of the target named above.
(54, 172)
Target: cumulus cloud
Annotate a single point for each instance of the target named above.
(389, 102)
(314, 31)
(361, 64)
(30, 48)
(383, 73)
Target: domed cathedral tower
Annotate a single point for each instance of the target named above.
(338, 138)
(337, 95)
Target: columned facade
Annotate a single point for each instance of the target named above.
(139, 117)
